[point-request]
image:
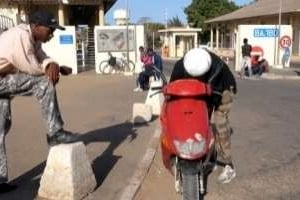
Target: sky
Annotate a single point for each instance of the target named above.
(156, 10)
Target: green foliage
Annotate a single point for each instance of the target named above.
(150, 30)
(175, 22)
(201, 10)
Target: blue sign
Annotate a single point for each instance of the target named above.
(266, 32)
(66, 39)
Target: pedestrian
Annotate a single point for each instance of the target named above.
(259, 65)
(207, 67)
(25, 70)
(246, 58)
(157, 62)
(143, 77)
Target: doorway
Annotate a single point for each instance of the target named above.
(84, 19)
(82, 15)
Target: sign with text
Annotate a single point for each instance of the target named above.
(266, 32)
(274, 42)
(66, 39)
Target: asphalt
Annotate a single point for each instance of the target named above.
(98, 107)
(159, 183)
(291, 73)
(84, 82)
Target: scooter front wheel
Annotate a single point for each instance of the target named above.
(190, 186)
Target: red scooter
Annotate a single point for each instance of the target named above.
(187, 140)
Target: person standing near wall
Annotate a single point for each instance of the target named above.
(246, 58)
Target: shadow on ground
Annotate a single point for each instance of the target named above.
(28, 183)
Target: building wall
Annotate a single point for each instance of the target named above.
(286, 19)
(296, 34)
(10, 11)
(179, 42)
(103, 45)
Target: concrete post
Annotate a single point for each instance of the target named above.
(217, 37)
(211, 35)
(101, 14)
(61, 15)
(68, 174)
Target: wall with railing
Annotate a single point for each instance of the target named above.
(5, 23)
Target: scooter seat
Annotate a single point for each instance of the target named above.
(187, 87)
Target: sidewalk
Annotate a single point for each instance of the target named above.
(96, 106)
(291, 73)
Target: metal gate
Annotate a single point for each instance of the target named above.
(85, 48)
(5, 23)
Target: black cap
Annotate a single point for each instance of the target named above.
(44, 18)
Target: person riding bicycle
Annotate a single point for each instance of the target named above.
(207, 67)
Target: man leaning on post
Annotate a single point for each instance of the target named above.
(25, 70)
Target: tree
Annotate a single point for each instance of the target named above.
(175, 22)
(150, 28)
(201, 10)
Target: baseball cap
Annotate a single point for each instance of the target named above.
(45, 18)
(197, 62)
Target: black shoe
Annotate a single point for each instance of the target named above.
(62, 137)
(5, 187)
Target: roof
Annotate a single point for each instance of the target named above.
(107, 3)
(180, 29)
(260, 8)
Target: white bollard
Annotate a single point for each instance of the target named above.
(68, 174)
(141, 113)
(155, 99)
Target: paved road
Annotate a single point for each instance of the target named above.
(99, 107)
(266, 147)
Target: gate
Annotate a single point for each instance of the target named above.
(5, 23)
(85, 48)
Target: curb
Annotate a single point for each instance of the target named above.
(280, 77)
(142, 169)
(270, 77)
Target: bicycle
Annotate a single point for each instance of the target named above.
(116, 65)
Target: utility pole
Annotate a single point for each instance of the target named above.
(166, 25)
(279, 34)
(127, 32)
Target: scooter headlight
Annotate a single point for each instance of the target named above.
(191, 147)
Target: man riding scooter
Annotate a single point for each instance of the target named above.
(207, 67)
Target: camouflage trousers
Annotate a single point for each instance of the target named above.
(222, 128)
(21, 84)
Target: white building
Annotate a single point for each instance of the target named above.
(277, 12)
(178, 40)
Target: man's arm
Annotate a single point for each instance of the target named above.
(42, 57)
(178, 71)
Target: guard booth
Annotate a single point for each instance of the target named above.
(272, 42)
(178, 40)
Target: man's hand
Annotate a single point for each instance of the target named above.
(64, 70)
(52, 71)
